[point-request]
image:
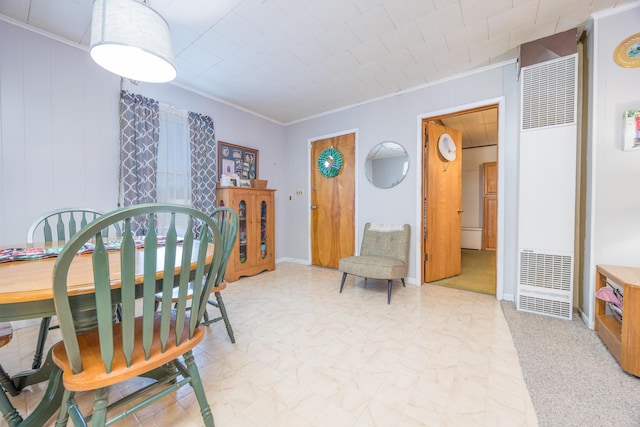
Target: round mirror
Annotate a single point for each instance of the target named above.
(387, 164)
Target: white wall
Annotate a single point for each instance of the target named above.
(613, 200)
(59, 142)
(58, 131)
(397, 118)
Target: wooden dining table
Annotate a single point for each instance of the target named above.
(26, 292)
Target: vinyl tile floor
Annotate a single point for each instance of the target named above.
(307, 355)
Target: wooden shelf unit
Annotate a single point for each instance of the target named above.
(254, 250)
(621, 338)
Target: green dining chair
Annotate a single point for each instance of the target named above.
(145, 342)
(227, 221)
(54, 228)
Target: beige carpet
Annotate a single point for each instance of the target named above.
(478, 273)
(572, 378)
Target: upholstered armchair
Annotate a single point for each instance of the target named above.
(384, 254)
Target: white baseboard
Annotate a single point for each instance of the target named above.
(293, 261)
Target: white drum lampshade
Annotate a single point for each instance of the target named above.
(131, 40)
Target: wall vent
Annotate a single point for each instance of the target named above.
(545, 284)
(546, 306)
(546, 270)
(549, 93)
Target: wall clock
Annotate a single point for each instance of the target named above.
(627, 53)
(447, 147)
(330, 162)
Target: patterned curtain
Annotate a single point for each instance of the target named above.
(204, 166)
(139, 136)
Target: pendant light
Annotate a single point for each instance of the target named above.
(131, 40)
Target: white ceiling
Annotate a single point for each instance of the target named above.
(292, 59)
(478, 128)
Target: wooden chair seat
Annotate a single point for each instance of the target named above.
(95, 375)
(6, 333)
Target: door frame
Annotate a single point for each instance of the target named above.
(356, 226)
(500, 101)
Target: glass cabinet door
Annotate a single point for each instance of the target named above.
(242, 231)
(263, 229)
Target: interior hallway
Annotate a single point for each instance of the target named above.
(478, 273)
(307, 355)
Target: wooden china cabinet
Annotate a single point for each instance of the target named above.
(254, 250)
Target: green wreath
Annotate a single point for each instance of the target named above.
(330, 162)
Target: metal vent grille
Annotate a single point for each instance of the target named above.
(545, 306)
(546, 270)
(545, 285)
(549, 93)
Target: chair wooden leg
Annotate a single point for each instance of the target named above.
(223, 312)
(196, 384)
(76, 416)
(7, 384)
(344, 277)
(63, 415)
(403, 285)
(42, 339)
(99, 417)
(219, 304)
(389, 292)
(9, 412)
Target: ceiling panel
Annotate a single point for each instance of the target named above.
(291, 59)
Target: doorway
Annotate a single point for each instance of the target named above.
(479, 147)
(332, 199)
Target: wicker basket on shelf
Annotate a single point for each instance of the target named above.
(259, 183)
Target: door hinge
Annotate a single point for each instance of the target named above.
(426, 257)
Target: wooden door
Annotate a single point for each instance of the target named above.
(490, 206)
(442, 191)
(333, 204)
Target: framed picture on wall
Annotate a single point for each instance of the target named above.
(631, 130)
(235, 159)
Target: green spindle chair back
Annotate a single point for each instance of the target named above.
(144, 339)
(227, 221)
(61, 224)
(55, 228)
